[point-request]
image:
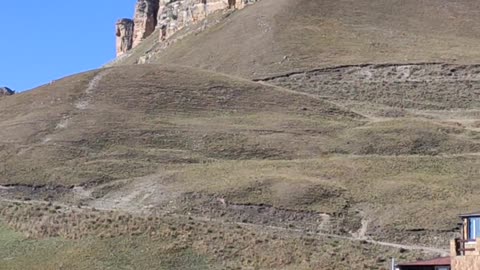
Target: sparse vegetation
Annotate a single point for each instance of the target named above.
(280, 36)
(293, 156)
(165, 242)
(173, 167)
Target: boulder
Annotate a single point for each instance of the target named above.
(5, 91)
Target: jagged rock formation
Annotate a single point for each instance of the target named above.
(5, 91)
(124, 33)
(173, 16)
(145, 19)
(169, 16)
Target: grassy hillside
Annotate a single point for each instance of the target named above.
(131, 121)
(169, 243)
(277, 36)
(306, 167)
(125, 122)
(178, 139)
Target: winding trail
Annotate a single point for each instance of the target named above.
(84, 102)
(430, 250)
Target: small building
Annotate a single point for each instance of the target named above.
(442, 263)
(465, 251)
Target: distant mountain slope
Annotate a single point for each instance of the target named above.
(276, 36)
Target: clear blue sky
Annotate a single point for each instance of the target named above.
(45, 40)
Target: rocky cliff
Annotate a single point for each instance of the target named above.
(124, 33)
(145, 19)
(174, 16)
(169, 16)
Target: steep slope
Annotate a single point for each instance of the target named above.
(193, 142)
(277, 36)
(293, 166)
(123, 122)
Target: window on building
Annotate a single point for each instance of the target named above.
(442, 268)
(473, 228)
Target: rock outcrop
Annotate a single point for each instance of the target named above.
(124, 33)
(145, 19)
(172, 17)
(5, 91)
(169, 16)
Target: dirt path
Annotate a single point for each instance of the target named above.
(360, 238)
(81, 104)
(362, 232)
(84, 102)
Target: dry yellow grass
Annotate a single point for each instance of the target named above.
(278, 36)
(357, 153)
(168, 243)
(250, 143)
(125, 122)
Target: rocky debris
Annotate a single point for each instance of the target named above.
(5, 91)
(145, 19)
(124, 33)
(426, 86)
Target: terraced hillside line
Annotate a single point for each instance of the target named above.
(342, 67)
(430, 250)
(431, 86)
(315, 96)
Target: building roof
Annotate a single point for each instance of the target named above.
(474, 214)
(441, 261)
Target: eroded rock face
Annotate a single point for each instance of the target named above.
(124, 33)
(169, 16)
(174, 15)
(145, 19)
(5, 91)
